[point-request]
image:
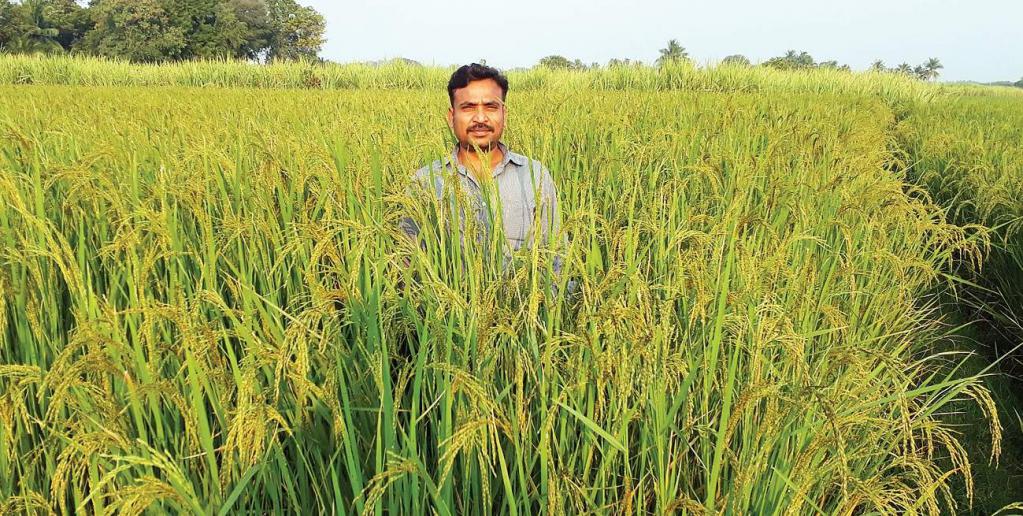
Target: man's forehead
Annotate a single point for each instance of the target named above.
(479, 99)
(479, 91)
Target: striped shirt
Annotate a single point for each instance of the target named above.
(525, 189)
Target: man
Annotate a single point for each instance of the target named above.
(485, 166)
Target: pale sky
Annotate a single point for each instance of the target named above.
(978, 40)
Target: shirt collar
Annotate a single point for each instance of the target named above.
(513, 157)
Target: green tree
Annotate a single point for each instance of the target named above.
(138, 30)
(792, 60)
(211, 28)
(615, 63)
(162, 30)
(71, 20)
(555, 62)
(296, 31)
(255, 15)
(736, 59)
(904, 69)
(674, 52)
(832, 64)
(878, 66)
(407, 62)
(1019, 83)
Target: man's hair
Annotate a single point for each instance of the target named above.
(475, 72)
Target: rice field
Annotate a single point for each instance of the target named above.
(207, 305)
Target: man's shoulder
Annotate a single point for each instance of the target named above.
(534, 168)
(432, 176)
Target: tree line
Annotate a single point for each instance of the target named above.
(791, 60)
(163, 30)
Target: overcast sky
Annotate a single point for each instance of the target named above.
(976, 40)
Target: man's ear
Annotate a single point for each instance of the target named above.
(451, 118)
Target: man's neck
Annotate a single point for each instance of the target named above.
(474, 161)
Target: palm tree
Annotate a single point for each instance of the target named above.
(877, 66)
(904, 68)
(931, 67)
(793, 60)
(615, 63)
(674, 52)
(36, 36)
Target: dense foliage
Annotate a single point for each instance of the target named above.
(163, 30)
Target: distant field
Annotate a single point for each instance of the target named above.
(205, 304)
(85, 71)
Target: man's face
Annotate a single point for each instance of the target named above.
(477, 116)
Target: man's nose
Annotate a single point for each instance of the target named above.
(479, 115)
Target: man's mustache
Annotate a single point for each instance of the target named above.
(476, 127)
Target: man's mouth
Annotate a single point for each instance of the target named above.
(479, 130)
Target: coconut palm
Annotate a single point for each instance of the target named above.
(931, 66)
(673, 52)
(36, 35)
